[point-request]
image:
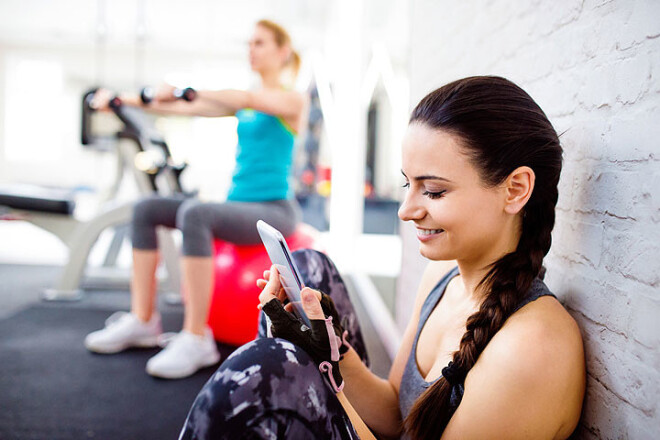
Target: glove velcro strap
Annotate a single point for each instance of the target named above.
(344, 344)
(326, 367)
(334, 340)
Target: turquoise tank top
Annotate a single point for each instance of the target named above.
(264, 158)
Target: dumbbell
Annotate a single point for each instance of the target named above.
(188, 94)
(115, 102)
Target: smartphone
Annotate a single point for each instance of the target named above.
(280, 256)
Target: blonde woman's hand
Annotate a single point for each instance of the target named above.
(101, 99)
(165, 93)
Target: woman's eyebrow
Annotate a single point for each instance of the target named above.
(426, 177)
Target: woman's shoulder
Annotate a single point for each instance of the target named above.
(538, 349)
(542, 330)
(543, 319)
(281, 91)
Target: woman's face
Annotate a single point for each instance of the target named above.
(265, 54)
(456, 215)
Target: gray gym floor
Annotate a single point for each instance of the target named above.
(21, 287)
(51, 387)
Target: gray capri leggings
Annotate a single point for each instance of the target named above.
(200, 222)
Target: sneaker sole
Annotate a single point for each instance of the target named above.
(182, 375)
(148, 342)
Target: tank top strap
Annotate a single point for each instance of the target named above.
(536, 291)
(433, 298)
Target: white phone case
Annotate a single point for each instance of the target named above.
(280, 256)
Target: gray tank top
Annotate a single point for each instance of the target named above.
(412, 382)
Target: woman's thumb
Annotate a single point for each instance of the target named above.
(311, 304)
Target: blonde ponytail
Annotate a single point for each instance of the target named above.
(293, 63)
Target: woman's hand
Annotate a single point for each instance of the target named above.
(324, 342)
(101, 99)
(316, 306)
(165, 93)
(272, 289)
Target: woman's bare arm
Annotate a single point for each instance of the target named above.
(275, 102)
(376, 400)
(162, 107)
(286, 104)
(214, 103)
(363, 431)
(197, 107)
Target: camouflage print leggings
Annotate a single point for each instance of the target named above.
(270, 388)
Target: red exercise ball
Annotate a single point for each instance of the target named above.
(233, 315)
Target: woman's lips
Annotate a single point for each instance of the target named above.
(428, 234)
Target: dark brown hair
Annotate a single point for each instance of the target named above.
(501, 129)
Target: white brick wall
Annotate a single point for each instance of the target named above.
(594, 67)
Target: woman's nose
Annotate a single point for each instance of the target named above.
(411, 209)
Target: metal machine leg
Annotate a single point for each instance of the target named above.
(115, 246)
(80, 244)
(170, 255)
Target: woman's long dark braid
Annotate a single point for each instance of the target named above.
(510, 278)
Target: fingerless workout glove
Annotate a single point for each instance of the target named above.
(325, 341)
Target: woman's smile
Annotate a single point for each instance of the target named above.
(428, 234)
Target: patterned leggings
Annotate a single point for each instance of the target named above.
(270, 388)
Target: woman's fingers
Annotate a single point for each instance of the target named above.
(311, 303)
(165, 93)
(100, 99)
(261, 282)
(272, 287)
(281, 295)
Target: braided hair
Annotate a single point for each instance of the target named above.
(502, 128)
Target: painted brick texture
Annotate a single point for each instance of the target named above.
(594, 67)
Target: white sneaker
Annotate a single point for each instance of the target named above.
(184, 355)
(124, 330)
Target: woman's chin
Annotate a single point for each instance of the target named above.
(433, 253)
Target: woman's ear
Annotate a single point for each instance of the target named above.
(519, 186)
(285, 54)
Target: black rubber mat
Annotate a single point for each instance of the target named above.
(51, 387)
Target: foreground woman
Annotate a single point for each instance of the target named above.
(489, 351)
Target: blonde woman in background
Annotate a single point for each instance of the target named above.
(269, 118)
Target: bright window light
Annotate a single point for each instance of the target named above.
(34, 121)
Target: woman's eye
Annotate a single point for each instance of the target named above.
(434, 195)
(406, 185)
